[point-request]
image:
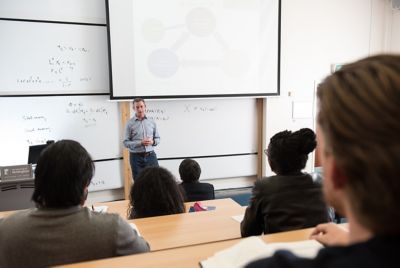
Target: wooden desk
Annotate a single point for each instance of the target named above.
(187, 229)
(227, 205)
(165, 232)
(120, 207)
(7, 213)
(185, 256)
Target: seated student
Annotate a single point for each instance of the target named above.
(292, 199)
(193, 190)
(359, 138)
(155, 193)
(60, 230)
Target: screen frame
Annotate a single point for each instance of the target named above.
(197, 96)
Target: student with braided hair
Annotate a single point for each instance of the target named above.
(291, 199)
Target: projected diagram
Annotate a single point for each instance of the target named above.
(199, 23)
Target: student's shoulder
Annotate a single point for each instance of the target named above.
(111, 222)
(101, 218)
(206, 184)
(267, 182)
(16, 220)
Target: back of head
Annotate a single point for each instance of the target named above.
(288, 151)
(63, 171)
(155, 193)
(189, 170)
(359, 109)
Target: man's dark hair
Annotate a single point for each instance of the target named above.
(63, 171)
(288, 151)
(189, 170)
(155, 193)
(138, 100)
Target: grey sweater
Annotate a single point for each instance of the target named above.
(47, 237)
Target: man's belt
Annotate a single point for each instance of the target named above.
(143, 154)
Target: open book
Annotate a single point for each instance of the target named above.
(254, 248)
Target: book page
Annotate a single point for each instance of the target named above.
(238, 218)
(134, 227)
(253, 248)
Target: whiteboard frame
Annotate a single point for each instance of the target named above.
(58, 92)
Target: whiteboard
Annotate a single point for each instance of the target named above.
(198, 49)
(92, 120)
(87, 11)
(50, 58)
(218, 167)
(221, 134)
(208, 127)
(108, 175)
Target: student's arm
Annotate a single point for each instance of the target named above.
(128, 241)
(330, 234)
(252, 223)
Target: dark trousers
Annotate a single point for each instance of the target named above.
(141, 160)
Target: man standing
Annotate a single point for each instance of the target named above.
(141, 136)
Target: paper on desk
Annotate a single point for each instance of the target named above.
(134, 227)
(253, 248)
(102, 209)
(238, 218)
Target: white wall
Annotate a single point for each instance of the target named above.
(314, 35)
(392, 41)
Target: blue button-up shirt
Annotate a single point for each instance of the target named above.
(136, 130)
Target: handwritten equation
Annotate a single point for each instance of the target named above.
(157, 114)
(34, 118)
(64, 68)
(36, 141)
(89, 116)
(60, 65)
(36, 128)
(197, 108)
(97, 182)
(66, 48)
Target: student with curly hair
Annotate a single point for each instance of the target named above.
(291, 199)
(155, 193)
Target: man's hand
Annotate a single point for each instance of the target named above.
(147, 141)
(330, 234)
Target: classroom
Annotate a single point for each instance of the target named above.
(220, 78)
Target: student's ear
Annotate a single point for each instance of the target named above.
(85, 194)
(339, 178)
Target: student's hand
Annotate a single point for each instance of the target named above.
(330, 234)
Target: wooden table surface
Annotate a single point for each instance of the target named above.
(121, 207)
(225, 205)
(185, 256)
(189, 228)
(164, 232)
